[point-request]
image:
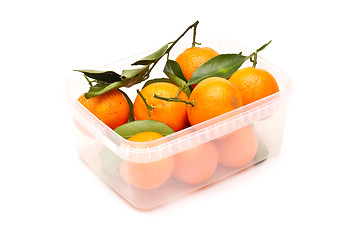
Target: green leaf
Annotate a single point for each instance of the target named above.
(110, 162)
(127, 130)
(263, 46)
(180, 83)
(152, 57)
(103, 76)
(262, 152)
(173, 71)
(223, 65)
(173, 67)
(128, 79)
(130, 73)
(155, 80)
(101, 88)
(131, 106)
(134, 76)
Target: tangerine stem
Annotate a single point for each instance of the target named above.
(148, 107)
(191, 26)
(180, 89)
(175, 99)
(254, 60)
(171, 46)
(194, 35)
(254, 54)
(88, 80)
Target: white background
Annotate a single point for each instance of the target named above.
(309, 191)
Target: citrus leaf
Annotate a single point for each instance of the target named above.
(101, 88)
(223, 65)
(134, 76)
(127, 130)
(173, 67)
(128, 79)
(173, 71)
(263, 46)
(131, 106)
(110, 162)
(262, 152)
(130, 73)
(103, 76)
(180, 83)
(152, 57)
(155, 80)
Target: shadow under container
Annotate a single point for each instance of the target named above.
(150, 174)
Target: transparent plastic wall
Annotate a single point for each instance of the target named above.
(220, 146)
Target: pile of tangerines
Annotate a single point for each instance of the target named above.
(179, 106)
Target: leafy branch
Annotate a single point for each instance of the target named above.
(110, 80)
(223, 65)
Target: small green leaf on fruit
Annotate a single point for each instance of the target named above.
(223, 65)
(131, 106)
(173, 67)
(100, 88)
(127, 130)
(173, 71)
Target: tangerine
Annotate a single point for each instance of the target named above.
(149, 175)
(111, 108)
(196, 164)
(238, 148)
(212, 97)
(254, 83)
(194, 57)
(172, 114)
(145, 137)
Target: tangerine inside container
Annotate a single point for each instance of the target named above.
(150, 174)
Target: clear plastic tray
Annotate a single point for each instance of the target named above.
(221, 146)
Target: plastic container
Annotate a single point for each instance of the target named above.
(150, 174)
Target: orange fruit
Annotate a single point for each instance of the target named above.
(172, 114)
(194, 57)
(148, 175)
(111, 108)
(196, 164)
(238, 148)
(254, 83)
(213, 96)
(145, 137)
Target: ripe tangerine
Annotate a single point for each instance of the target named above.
(238, 148)
(172, 114)
(192, 58)
(196, 164)
(111, 108)
(254, 83)
(148, 175)
(212, 97)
